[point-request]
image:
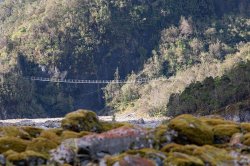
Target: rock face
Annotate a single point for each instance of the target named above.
(184, 140)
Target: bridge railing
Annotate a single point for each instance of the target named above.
(77, 81)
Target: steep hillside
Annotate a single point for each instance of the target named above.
(91, 39)
(213, 93)
(187, 52)
(152, 98)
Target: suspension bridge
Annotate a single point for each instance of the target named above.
(77, 81)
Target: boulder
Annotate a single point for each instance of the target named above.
(12, 143)
(187, 149)
(12, 131)
(127, 160)
(245, 127)
(236, 140)
(51, 135)
(197, 155)
(96, 146)
(214, 156)
(224, 132)
(106, 126)
(152, 154)
(32, 131)
(191, 130)
(81, 120)
(246, 139)
(177, 158)
(41, 145)
(163, 136)
(29, 158)
(214, 121)
(147, 156)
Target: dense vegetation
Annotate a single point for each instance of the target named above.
(213, 93)
(187, 52)
(90, 39)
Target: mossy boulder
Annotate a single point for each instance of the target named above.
(32, 131)
(12, 143)
(51, 135)
(69, 134)
(187, 149)
(196, 155)
(224, 132)
(161, 136)
(12, 131)
(246, 139)
(245, 127)
(182, 159)
(191, 130)
(106, 126)
(42, 145)
(29, 158)
(126, 160)
(82, 120)
(57, 131)
(216, 121)
(213, 156)
(167, 148)
(152, 154)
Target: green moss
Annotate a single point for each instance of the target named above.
(106, 126)
(9, 152)
(223, 133)
(160, 135)
(110, 160)
(167, 148)
(213, 156)
(12, 143)
(26, 158)
(50, 135)
(84, 133)
(191, 130)
(25, 155)
(246, 139)
(32, 131)
(245, 127)
(69, 134)
(148, 153)
(216, 121)
(11, 131)
(125, 160)
(41, 145)
(82, 120)
(187, 149)
(57, 131)
(181, 159)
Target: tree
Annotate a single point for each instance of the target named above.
(185, 27)
(215, 49)
(112, 90)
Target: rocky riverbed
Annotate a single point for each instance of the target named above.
(47, 123)
(82, 138)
